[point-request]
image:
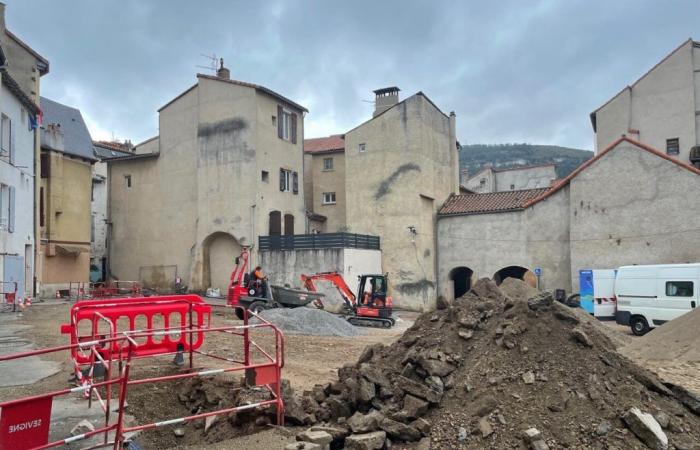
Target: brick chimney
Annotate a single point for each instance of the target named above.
(384, 99)
(223, 72)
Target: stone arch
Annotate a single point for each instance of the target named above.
(219, 250)
(461, 278)
(519, 272)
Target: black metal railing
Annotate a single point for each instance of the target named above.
(318, 241)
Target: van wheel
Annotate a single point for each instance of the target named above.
(257, 307)
(639, 326)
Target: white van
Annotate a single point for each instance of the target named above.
(649, 296)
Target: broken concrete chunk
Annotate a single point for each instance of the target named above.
(540, 301)
(208, 422)
(400, 430)
(528, 377)
(366, 441)
(466, 334)
(422, 425)
(539, 445)
(414, 407)
(179, 432)
(485, 427)
(581, 337)
(418, 389)
(366, 390)
(303, 446)
(321, 438)
(646, 428)
(363, 423)
(338, 433)
(532, 434)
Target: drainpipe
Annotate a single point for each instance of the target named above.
(253, 258)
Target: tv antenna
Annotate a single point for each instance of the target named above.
(213, 62)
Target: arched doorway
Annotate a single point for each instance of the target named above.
(461, 280)
(220, 251)
(519, 272)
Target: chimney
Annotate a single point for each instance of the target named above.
(223, 72)
(385, 99)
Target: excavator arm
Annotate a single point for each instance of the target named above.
(336, 280)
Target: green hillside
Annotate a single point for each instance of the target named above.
(474, 157)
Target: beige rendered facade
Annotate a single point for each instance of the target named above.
(65, 198)
(224, 170)
(493, 179)
(324, 180)
(661, 109)
(400, 166)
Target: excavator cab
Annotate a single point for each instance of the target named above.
(372, 300)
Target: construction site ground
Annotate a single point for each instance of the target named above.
(309, 360)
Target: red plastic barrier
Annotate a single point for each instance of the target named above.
(179, 313)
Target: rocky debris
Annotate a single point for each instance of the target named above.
(534, 438)
(82, 427)
(541, 301)
(179, 432)
(366, 441)
(309, 321)
(321, 438)
(527, 363)
(646, 428)
(689, 399)
(302, 446)
(338, 433)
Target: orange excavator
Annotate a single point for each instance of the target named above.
(370, 307)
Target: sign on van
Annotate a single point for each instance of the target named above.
(25, 424)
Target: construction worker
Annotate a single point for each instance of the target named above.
(258, 282)
(258, 274)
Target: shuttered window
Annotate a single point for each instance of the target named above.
(288, 224)
(295, 182)
(45, 165)
(286, 125)
(275, 223)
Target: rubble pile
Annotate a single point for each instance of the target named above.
(495, 371)
(310, 321)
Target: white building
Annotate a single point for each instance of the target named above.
(517, 178)
(17, 237)
(660, 109)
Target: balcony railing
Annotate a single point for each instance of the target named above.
(318, 241)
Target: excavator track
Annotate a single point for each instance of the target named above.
(375, 322)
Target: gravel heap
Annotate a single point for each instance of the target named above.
(677, 340)
(491, 371)
(310, 321)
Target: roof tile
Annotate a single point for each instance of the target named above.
(332, 143)
(489, 203)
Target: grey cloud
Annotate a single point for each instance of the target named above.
(511, 70)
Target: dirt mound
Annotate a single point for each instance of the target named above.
(310, 321)
(677, 340)
(486, 369)
(517, 289)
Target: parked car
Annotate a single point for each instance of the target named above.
(651, 295)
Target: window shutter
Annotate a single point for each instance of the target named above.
(280, 119)
(295, 182)
(11, 222)
(293, 131)
(12, 143)
(282, 183)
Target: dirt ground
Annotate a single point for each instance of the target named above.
(308, 360)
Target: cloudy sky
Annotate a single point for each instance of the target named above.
(513, 71)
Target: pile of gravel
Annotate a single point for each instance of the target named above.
(310, 321)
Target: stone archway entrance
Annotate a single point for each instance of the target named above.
(519, 272)
(219, 252)
(461, 278)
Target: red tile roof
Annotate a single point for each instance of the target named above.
(489, 203)
(333, 143)
(564, 181)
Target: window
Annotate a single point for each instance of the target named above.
(679, 288)
(265, 176)
(327, 163)
(329, 198)
(363, 147)
(286, 125)
(512, 187)
(92, 229)
(42, 219)
(673, 146)
(45, 165)
(127, 180)
(288, 224)
(285, 180)
(482, 182)
(289, 181)
(274, 121)
(5, 135)
(7, 208)
(275, 228)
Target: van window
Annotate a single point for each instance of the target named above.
(679, 288)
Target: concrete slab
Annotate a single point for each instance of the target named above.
(26, 370)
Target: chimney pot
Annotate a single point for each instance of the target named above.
(384, 99)
(223, 72)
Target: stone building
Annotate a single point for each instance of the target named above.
(324, 183)
(65, 195)
(400, 166)
(224, 170)
(630, 204)
(98, 234)
(493, 179)
(661, 109)
(23, 68)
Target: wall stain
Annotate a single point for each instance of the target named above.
(385, 186)
(222, 126)
(415, 287)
